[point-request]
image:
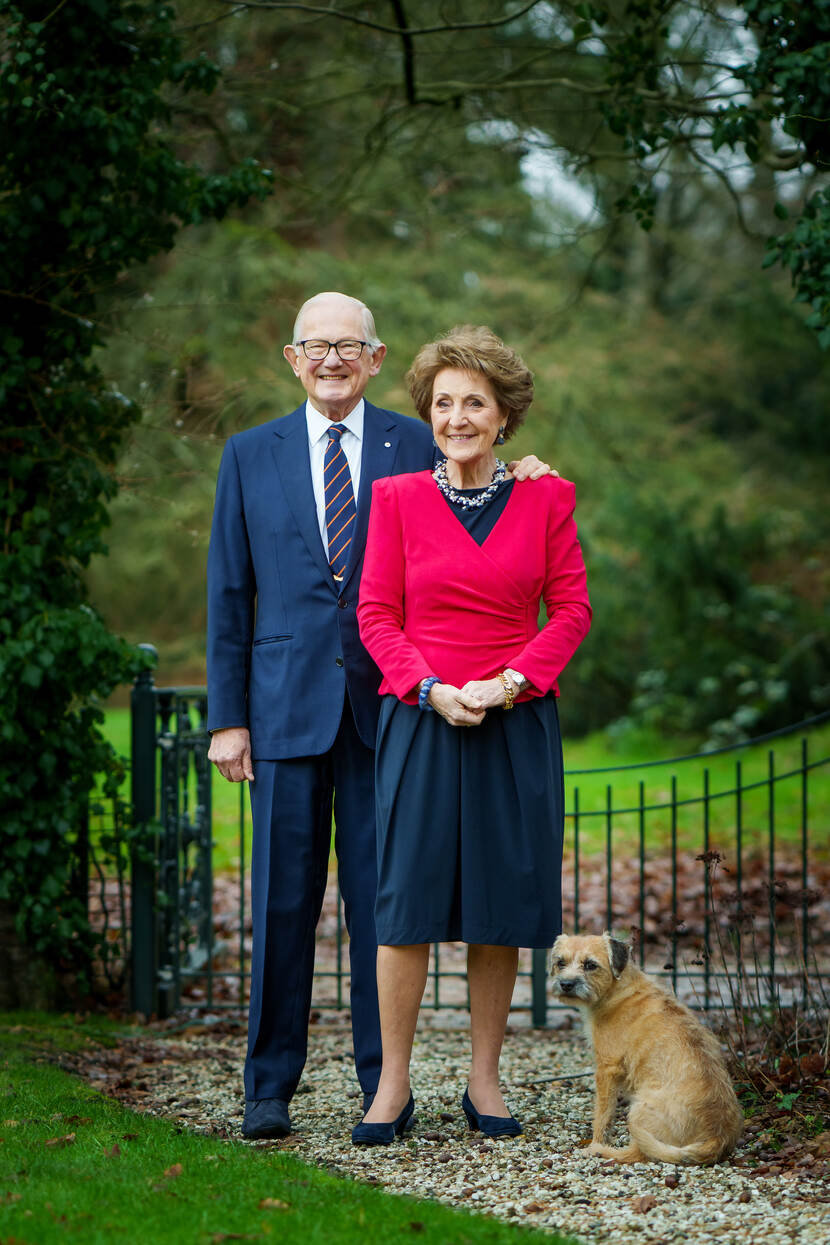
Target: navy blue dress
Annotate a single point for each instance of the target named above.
(470, 819)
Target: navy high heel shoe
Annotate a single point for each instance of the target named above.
(383, 1134)
(490, 1125)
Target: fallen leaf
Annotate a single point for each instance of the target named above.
(820, 1144)
(114, 1153)
(58, 1143)
(273, 1203)
(173, 1172)
(812, 1065)
(642, 1205)
(534, 1208)
(129, 1137)
(744, 1196)
(672, 1180)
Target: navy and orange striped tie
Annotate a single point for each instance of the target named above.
(341, 511)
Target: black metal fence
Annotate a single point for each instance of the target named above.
(706, 860)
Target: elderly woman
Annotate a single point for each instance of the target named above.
(469, 761)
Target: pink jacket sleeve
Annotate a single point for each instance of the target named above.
(565, 593)
(380, 610)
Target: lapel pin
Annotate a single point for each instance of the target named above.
(388, 445)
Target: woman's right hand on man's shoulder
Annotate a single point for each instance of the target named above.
(457, 707)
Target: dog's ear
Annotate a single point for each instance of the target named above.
(617, 953)
(554, 952)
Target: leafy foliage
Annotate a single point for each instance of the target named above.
(644, 102)
(90, 185)
(734, 645)
(779, 120)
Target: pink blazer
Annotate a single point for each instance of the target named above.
(432, 601)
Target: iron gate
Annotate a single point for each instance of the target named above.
(689, 855)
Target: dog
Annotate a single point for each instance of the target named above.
(650, 1050)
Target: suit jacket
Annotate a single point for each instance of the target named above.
(283, 647)
(432, 601)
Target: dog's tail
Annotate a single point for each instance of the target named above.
(707, 1150)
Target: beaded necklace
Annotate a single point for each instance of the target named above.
(466, 501)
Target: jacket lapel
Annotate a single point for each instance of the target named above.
(378, 457)
(294, 467)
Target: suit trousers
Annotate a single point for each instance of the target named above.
(291, 804)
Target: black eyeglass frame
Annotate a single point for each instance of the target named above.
(332, 346)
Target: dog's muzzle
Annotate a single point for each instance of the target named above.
(572, 987)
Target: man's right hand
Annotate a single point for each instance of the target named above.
(230, 752)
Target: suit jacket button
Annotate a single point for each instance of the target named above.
(338, 661)
(342, 602)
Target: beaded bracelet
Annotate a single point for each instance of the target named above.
(423, 695)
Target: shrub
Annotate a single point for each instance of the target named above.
(90, 185)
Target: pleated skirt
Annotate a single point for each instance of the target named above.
(469, 826)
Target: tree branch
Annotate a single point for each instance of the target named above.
(402, 29)
(408, 49)
(730, 190)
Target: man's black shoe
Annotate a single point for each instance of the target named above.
(266, 1118)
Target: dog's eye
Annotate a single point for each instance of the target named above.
(560, 963)
(590, 965)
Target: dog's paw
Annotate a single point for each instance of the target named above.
(596, 1147)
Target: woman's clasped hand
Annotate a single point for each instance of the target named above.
(466, 706)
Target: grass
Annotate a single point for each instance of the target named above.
(598, 751)
(128, 1178)
(756, 801)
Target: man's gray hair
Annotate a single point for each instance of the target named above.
(369, 331)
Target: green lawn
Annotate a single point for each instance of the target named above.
(745, 767)
(590, 792)
(76, 1166)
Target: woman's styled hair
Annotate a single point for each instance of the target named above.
(477, 349)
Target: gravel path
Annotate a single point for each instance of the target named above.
(544, 1178)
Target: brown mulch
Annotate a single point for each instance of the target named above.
(711, 907)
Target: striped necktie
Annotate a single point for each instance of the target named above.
(341, 511)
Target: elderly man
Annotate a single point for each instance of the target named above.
(292, 693)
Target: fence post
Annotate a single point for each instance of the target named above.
(143, 940)
(538, 985)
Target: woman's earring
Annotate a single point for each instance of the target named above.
(500, 437)
(435, 443)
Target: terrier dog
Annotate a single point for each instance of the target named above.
(650, 1050)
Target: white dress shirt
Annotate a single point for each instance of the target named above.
(318, 439)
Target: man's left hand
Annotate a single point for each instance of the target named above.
(530, 468)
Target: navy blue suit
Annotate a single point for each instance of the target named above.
(284, 658)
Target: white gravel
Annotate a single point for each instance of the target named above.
(544, 1177)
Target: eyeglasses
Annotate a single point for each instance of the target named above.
(348, 349)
